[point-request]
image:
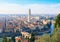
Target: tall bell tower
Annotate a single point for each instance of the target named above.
(29, 15)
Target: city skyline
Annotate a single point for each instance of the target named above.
(36, 6)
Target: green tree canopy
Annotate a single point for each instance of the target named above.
(57, 21)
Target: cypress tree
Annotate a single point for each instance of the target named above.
(32, 39)
(4, 38)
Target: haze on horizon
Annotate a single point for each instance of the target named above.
(36, 6)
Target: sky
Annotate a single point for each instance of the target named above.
(36, 6)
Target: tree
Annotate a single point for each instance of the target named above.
(4, 38)
(9, 40)
(57, 35)
(57, 21)
(13, 38)
(32, 39)
(45, 38)
(28, 39)
(19, 40)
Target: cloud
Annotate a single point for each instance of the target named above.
(35, 8)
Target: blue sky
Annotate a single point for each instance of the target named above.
(22, 6)
(31, 1)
